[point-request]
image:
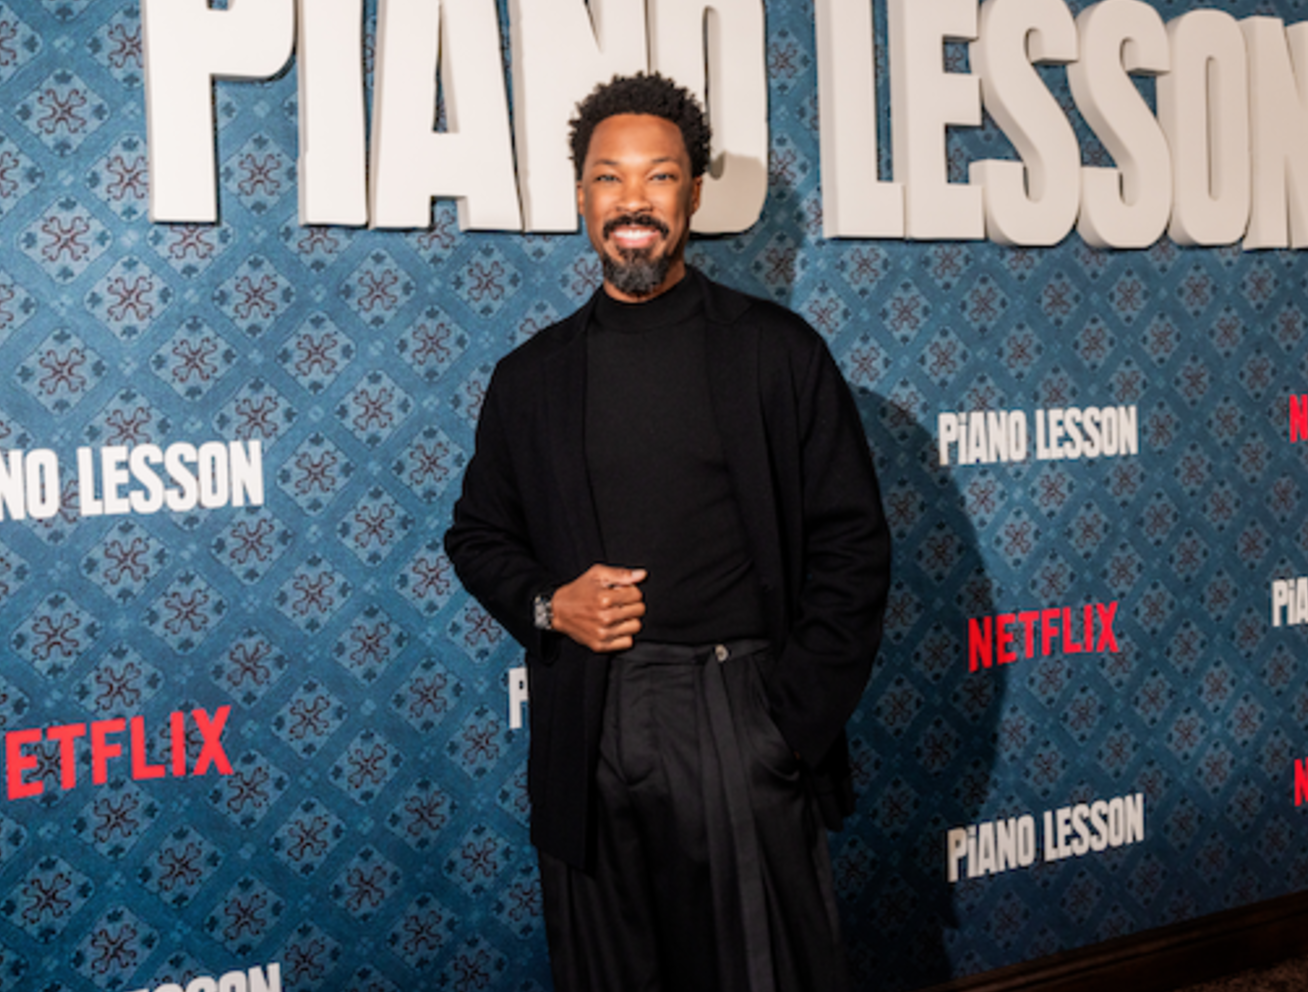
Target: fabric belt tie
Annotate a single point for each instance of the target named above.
(726, 784)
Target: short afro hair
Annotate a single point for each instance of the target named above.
(643, 93)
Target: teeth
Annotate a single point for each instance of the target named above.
(635, 234)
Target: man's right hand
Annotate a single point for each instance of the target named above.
(601, 608)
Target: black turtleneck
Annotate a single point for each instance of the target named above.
(658, 474)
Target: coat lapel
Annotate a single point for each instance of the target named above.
(565, 429)
(732, 354)
(565, 411)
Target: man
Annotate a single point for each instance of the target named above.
(672, 507)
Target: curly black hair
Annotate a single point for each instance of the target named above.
(643, 93)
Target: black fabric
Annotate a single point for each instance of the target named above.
(681, 304)
(687, 750)
(658, 472)
(808, 497)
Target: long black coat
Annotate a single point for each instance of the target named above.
(802, 473)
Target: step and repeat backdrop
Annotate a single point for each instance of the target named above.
(256, 737)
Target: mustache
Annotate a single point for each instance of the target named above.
(635, 220)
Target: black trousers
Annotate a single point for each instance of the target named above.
(711, 870)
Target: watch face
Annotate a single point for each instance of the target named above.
(544, 614)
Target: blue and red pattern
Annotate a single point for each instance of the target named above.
(372, 834)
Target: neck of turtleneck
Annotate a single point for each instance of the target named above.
(673, 306)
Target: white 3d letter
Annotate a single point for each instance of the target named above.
(187, 47)
(727, 36)
(608, 41)
(333, 174)
(1034, 202)
(1126, 207)
(411, 162)
(1203, 106)
(1278, 100)
(924, 100)
(855, 204)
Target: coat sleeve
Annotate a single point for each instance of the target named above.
(844, 575)
(489, 542)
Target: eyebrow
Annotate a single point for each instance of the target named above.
(654, 161)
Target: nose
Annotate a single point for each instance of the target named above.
(635, 196)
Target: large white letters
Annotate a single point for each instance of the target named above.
(855, 204)
(1225, 157)
(333, 175)
(1034, 202)
(607, 40)
(473, 159)
(716, 48)
(1278, 99)
(1203, 106)
(187, 47)
(1125, 207)
(924, 100)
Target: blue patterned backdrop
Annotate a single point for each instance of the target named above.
(371, 834)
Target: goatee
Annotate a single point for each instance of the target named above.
(635, 273)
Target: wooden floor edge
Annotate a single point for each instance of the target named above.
(1161, 959)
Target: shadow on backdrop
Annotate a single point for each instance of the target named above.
(925, 736)
(923, 741)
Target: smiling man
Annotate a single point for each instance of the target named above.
(672, 507)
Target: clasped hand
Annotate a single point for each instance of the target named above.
(601, 608)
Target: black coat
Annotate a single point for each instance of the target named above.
(803, 476)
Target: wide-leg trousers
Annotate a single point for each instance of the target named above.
(711, 869)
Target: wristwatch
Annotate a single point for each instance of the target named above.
(542, 610)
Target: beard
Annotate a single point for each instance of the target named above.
(635, 272)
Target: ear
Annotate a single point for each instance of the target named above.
(581, 199)
(696, 189)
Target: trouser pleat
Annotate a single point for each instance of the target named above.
(711, 872)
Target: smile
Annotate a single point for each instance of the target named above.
(634, 231)
(635, 238)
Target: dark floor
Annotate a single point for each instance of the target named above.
(1289, 976)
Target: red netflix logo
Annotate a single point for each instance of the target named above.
(1298, 418)
(106, 747)
(1006, 637)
